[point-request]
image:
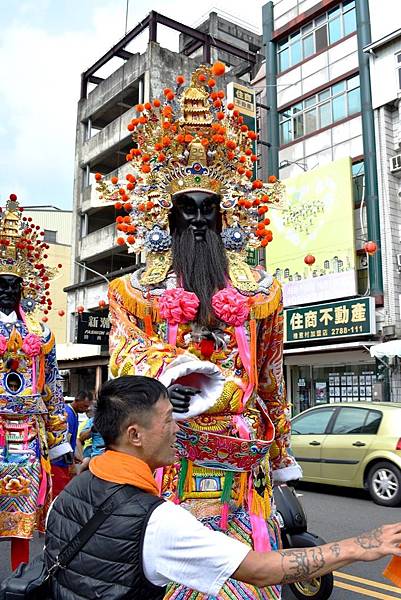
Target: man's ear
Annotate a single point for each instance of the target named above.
(133, 435)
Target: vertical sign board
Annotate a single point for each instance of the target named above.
(244, 100)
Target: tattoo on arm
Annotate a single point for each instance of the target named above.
(300, 564)
(370, 540)
(335, 549)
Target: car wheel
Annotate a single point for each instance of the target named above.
(384, 484)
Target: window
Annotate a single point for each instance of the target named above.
(313, 423)
(320, 110)
(398, 59)
(358, 180)
(356, 421)
(317, 35)
(50, 236)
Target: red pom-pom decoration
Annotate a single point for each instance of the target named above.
(371, 248)
(218, 69)
(309, 260)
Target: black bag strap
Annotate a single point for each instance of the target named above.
(120, 496)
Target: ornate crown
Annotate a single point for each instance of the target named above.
(22, 251)
(191, 141)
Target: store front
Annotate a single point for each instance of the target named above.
(336, 373)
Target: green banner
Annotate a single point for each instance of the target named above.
(341, 319)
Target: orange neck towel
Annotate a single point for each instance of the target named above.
(119, 467)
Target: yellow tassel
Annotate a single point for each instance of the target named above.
(41, 376)
(45, 464)
(243, 486)
(263, 307)
(189, 477)
(254, 361)
(131, 299)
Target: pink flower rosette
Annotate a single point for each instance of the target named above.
(177, 306)
(3, 345)
(32, 345)
(231, 307)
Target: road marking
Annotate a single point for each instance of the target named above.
(369, 582)
(365, 592)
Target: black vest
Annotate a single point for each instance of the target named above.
(110, 564)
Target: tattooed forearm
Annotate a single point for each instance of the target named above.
(373, 539)
(335, 549)
(300, 564)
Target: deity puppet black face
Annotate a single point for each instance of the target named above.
(199, 257)
(10, 293)
(197, 211)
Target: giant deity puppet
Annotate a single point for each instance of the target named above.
(198, 318)
(33, 429)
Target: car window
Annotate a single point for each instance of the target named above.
(312, 423)
(372, 422)
(353, 420)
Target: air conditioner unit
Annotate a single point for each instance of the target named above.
(395, 164)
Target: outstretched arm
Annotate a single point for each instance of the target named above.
(299, 564)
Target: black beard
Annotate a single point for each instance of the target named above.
(201, 267)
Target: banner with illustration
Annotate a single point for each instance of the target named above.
(319, 222)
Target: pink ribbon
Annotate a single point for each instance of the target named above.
(172, 333)
(34, 375)
(34, 382)
(42, 488)
(159, 478)
(260, 533)
(245, 355)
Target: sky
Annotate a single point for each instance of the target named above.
(45, 45)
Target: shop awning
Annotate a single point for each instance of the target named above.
(389, 349)
(71, 351)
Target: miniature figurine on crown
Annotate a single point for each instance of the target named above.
(33, 429)
(198, 317)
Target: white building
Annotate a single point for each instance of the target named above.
(320, 121)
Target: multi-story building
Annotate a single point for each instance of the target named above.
(56, 224)
(340, 300)
(102, 141)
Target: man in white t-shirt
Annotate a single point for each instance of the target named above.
(148, 542)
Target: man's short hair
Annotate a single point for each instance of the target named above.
(83, 395)
(124, 400)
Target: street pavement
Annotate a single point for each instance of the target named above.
(337, 513)
(334, 514)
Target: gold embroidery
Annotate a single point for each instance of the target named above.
(158, 265)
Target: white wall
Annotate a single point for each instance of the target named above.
(384, 75)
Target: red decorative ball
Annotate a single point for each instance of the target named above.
(13, 197)
(371, 248)
(45, 319)
(102, 303)
(218, 69)
(61, 313)
(309, 260)
(80, 309)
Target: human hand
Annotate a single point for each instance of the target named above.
(180, 397)
(379, 542)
